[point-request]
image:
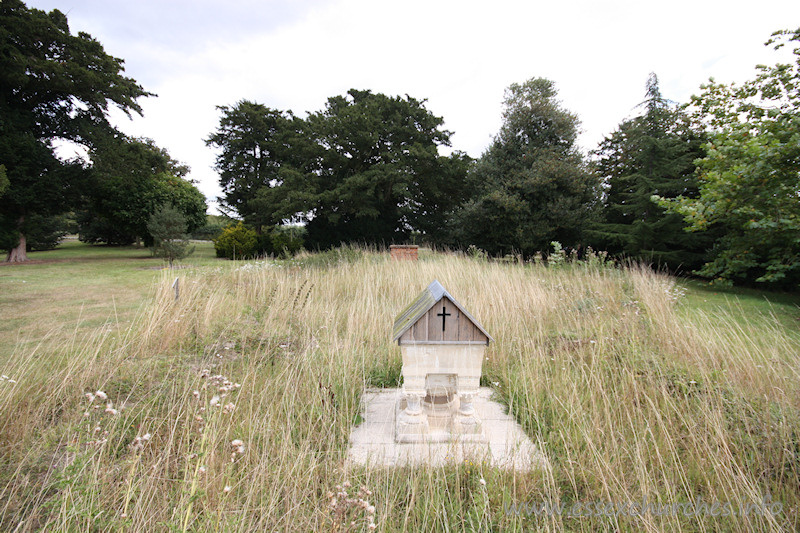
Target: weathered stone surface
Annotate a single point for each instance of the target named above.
(502, 443)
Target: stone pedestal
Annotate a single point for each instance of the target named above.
(373, 442)
(437, 418)
(412, 421)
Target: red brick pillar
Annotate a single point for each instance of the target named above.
(404, 251)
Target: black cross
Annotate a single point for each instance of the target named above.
(444, 314)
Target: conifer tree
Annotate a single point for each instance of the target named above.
(167, 226)
(651, 154)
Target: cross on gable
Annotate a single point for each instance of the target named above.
(444, 314)
(418, 323)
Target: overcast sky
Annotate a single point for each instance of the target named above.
(459, 55)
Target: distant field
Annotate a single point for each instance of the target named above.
(636, 386)
(80, 287)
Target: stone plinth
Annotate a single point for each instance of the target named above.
(505, 445)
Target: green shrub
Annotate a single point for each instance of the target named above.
(236, 242)
(285, 244)
(281, 241)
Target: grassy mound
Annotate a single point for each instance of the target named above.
(230, 408)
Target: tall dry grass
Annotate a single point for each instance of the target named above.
(628, 401)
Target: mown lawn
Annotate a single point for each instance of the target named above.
(744, 304)
(80, 287)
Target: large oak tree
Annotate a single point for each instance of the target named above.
(749, 180)
(53, 85)
(129, 181)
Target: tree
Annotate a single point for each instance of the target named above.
(167, 227)
(53, 85)
(531, 186)
(4, 183)
(128, 182)
(254, 143)
(651, 154)
(380, 174)
(365, 169)
(750, 176)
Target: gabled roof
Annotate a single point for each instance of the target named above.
(427, 299)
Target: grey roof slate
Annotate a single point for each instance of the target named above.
(422, 304)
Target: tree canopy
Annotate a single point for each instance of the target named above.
(749, 179)
(254, 142)
(129, 181)
(532, 185)
(650, 154)
(53, 85)
(365, 169)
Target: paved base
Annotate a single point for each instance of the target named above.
(505, 445)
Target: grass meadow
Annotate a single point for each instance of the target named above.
(230, 408)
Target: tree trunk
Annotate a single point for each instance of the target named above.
(19, 253)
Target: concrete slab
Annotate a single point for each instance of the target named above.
(506, 445)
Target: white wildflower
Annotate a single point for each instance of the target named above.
(238, 446)
(482, 482)
(227, 489)
(138, 442)
(90, 397)
(214, 401)
(102, 396)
